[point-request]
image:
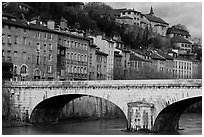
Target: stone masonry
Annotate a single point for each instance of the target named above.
(42, 101)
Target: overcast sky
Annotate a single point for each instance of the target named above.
(185, 13)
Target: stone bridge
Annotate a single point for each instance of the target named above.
(151, 104)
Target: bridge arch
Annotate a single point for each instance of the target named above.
(49, 109)
(168, 118)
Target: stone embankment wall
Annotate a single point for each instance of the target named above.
(90, 107)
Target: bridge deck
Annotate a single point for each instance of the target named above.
(109, 83)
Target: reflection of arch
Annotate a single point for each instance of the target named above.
(36, 73)
(49, 109)
(168, 118)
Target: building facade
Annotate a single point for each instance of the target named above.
(130, 17)
(107, 46)
(156, 24)
(31, 48)
(92, 61)
(101, 65)
(72, 57)
(117, 70)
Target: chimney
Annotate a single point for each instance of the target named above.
(63, 23)
(51, 24)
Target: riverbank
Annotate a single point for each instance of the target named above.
(13, 123)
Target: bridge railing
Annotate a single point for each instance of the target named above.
(109, 83)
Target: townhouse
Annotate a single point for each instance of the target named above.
(118, 70)
(30, 48)
(107, 46)
(101, 65)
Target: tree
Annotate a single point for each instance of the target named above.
(180, 26)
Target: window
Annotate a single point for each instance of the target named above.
(71, 56)
(3, 53)
(16, 40)
(38, 47)
(71, 69)
(62, 51)
(24, 40)
(68, 44)
(82, 46)
(75, 57)
(24, 56)
(3, 41)
(49, 69)
(75, 70)
(68, 55)
(50, 46)
(72, 43)
(23, 70)
(75, 45)
(85, 57)
(62, 73)
(65, 42)
(50, 57)
(15, 70)
(78, 70)
(44, 60)
(15, 54)
(86, 47)
(38, 35)
(82, 72)
(82, 57)
(51, 36)
(37, 74)
(38, 59)
(68, 69)
(85, 70)
(45, 36)
(78, 57)
(9, 39)
(79, 46)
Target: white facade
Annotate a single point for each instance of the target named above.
(107, 47)
(182, 69)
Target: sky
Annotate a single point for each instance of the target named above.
(188, 14)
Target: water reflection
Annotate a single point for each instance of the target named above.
(190, 123)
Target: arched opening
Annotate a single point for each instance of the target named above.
(50, 109)
(36, 74)
(168, 118)
(23, 72)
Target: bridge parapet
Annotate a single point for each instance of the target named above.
(171, 83)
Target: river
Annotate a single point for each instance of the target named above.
(191, 124)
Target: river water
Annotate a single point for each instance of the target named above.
(191, 124)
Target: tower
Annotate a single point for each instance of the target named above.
(151, 11)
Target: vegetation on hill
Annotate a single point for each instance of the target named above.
(97, 18)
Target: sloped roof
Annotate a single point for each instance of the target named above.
(174, 30)
(123, 50)
(179, 39)
(22, 24)
(185, 59)
(155, 19)
(124, 17)
(130, 10)
(164, 55)
(101, 53)
(137, 51)
(154, 55)
(136, 58)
